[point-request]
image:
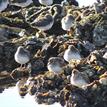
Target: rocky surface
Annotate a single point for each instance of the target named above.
(89, 35)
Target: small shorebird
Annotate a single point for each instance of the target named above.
(55, 64)
(43, 22)
(79, 79)
(98, 7)
(21, 3)
(46, 18)
(72, 53)
(67, 23)
(46, 2)
(3, 4)
(22, 56)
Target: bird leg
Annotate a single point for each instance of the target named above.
(24, 66)
(21, 66)
(70, 33)
(40, 34)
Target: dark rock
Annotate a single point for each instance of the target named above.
(20, 72)
(37, 65)
(48, 98)
(9, 50)
(99, 35)
(71, 96)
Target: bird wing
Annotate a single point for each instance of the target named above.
(18, 1)
(85, 77)
(42, 21)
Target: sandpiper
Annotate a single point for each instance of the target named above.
(46, 2)
(21, 3)
(43, 22)
(3, 4)
(47, 17)
(98, 7)
(72, 53)
(22, 56)
(55, 64)
(67, 23)
(79, 79)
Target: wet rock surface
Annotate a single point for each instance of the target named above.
(88, 35)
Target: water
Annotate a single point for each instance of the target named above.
(11, 98)
(86, 2)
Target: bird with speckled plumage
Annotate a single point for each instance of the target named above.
(79, 79)
(55, 64)
(22, 56)
(3, 5)
(72, 53)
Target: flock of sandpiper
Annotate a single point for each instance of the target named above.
(44, 23)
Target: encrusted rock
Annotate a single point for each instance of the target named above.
(100, 35)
